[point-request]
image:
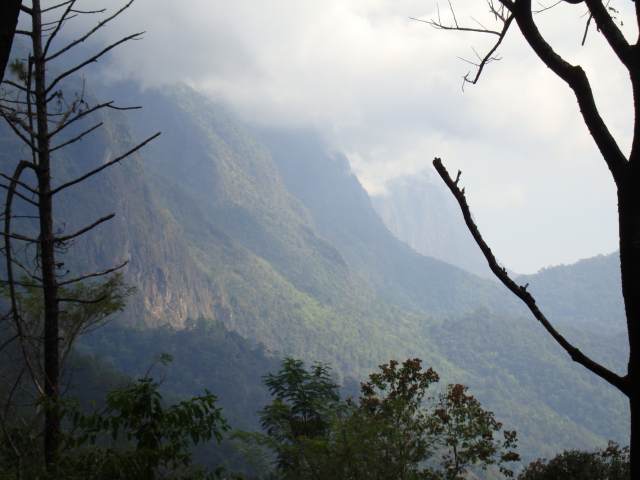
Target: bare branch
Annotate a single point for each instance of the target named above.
(16, 85)
(94, 275)
(30, 274)
(79, 116)
(577, 80)
(60, 22)
(18, 182)
(9, 399)
(20, 135)
(611, 32)
(22, 284)
(441, 26)
(89, 33)
(23, 197)
(55, 7)
(89, 12)
(521, 291)
(84, 230)
(586, 29)
(76, 138)
(8, 254)
(17, 236)
(123, 109)
(106, 165)
(95, 58)
(82, 301)
(8, 342)
(483, 60)
(489, 57)
(54, 23)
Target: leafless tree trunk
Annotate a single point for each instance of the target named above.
(44, 342)
(625, 170)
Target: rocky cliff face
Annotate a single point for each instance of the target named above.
(170, 287)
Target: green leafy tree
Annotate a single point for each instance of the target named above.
(134, 436)
(393, 399)
(394, 430)
(611, 463)
(299, 419)
(466, 432)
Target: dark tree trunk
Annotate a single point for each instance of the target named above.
(9, 11)
(47, 251)
(629, 231)
(629, 218)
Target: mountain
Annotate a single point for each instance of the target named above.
(587, 294)
(422, 214)
(268, 234)
(344, 214)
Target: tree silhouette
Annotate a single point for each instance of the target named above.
(35, 108)
(624, 168)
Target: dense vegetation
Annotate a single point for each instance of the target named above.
(395, 429)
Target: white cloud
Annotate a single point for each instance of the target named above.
(386, 90)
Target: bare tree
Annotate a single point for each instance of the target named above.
(625, 170)
(35, 109)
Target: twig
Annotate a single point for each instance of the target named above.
(94, 275)
(94, 58)
(76, 138)
(84, 230)
(89, 33)
(106, 165)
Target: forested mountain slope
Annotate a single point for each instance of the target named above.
(343, 213)
(586, 294)
(273, 237)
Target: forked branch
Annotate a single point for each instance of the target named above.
(520, 291)
(607, 26)
(92, 59)
(577, 80)
(501, 15)
(89, 33)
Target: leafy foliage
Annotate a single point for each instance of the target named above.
(611, 463)
(301, 411)
(466, 431)
(156, 438)
(393, 431)
(134, 436)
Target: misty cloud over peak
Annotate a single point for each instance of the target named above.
(386, 91)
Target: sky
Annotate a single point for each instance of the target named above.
(386, 91)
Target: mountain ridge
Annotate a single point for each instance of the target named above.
(273, 237)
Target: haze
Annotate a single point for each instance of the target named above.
(386, 91)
